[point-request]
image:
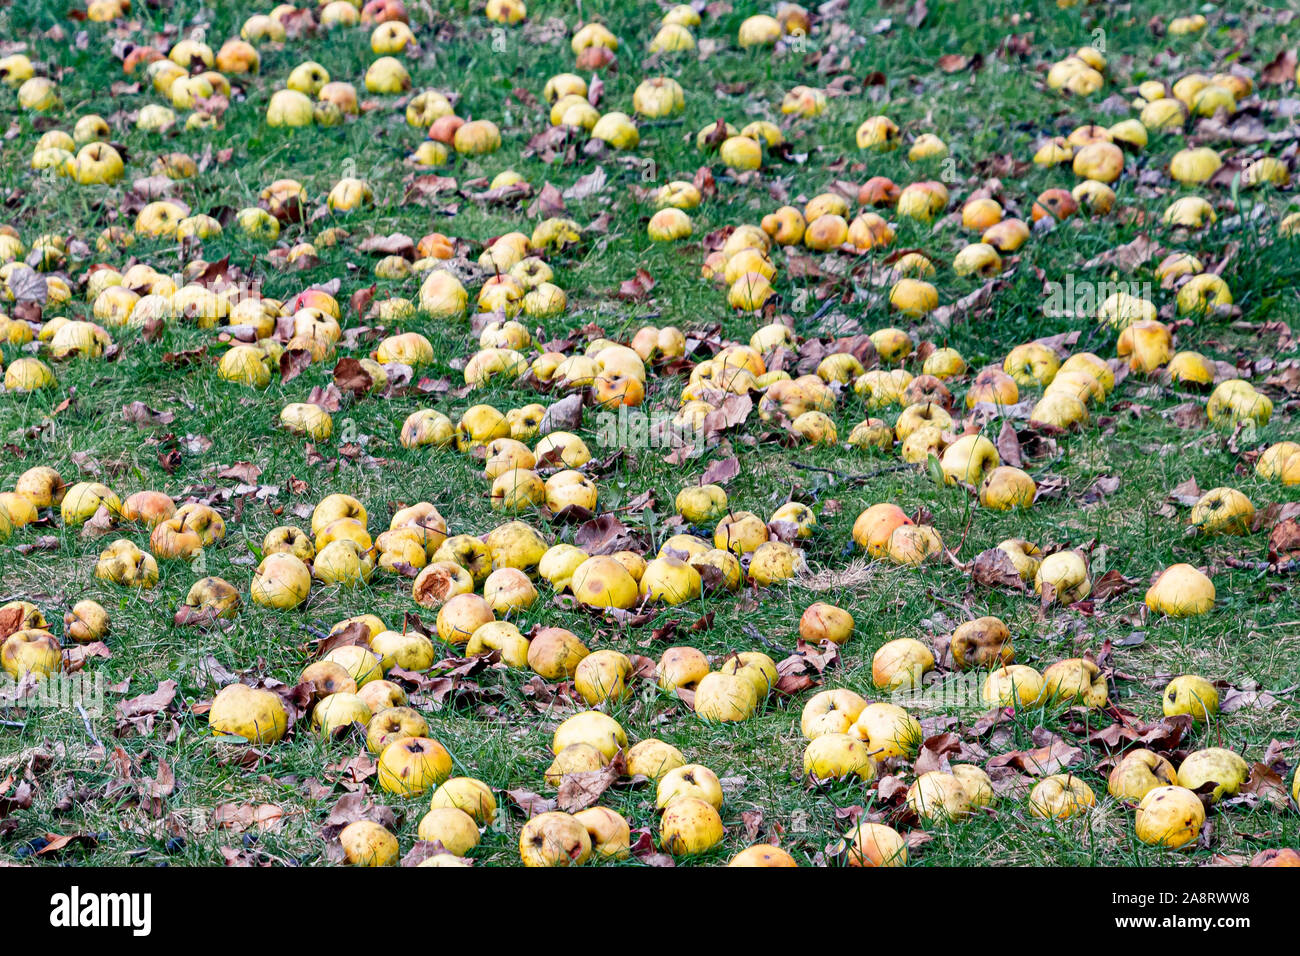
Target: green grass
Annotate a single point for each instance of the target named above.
(503, 736)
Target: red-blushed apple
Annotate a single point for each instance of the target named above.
(32, 652)
(872, 844)
(461, 616)
(830, 712)
(825, 622)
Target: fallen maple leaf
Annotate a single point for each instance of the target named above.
(637, 288)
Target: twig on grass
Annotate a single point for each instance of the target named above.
(85, 719)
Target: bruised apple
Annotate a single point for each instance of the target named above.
(1140, 772)
(900, 664)
(461, 616)
(872, 844)
(763, 854)
(32, 652)
(555, 653)
(392, 724)
(122, 562)
(603, 582)
(825, 622)
(554, 838)
(690, 826)
(211, 596)
(366, 843)
(86, 622)
(681, 667)
(412, 765)
(379, 694)
(1169, 816)
(982, 643)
